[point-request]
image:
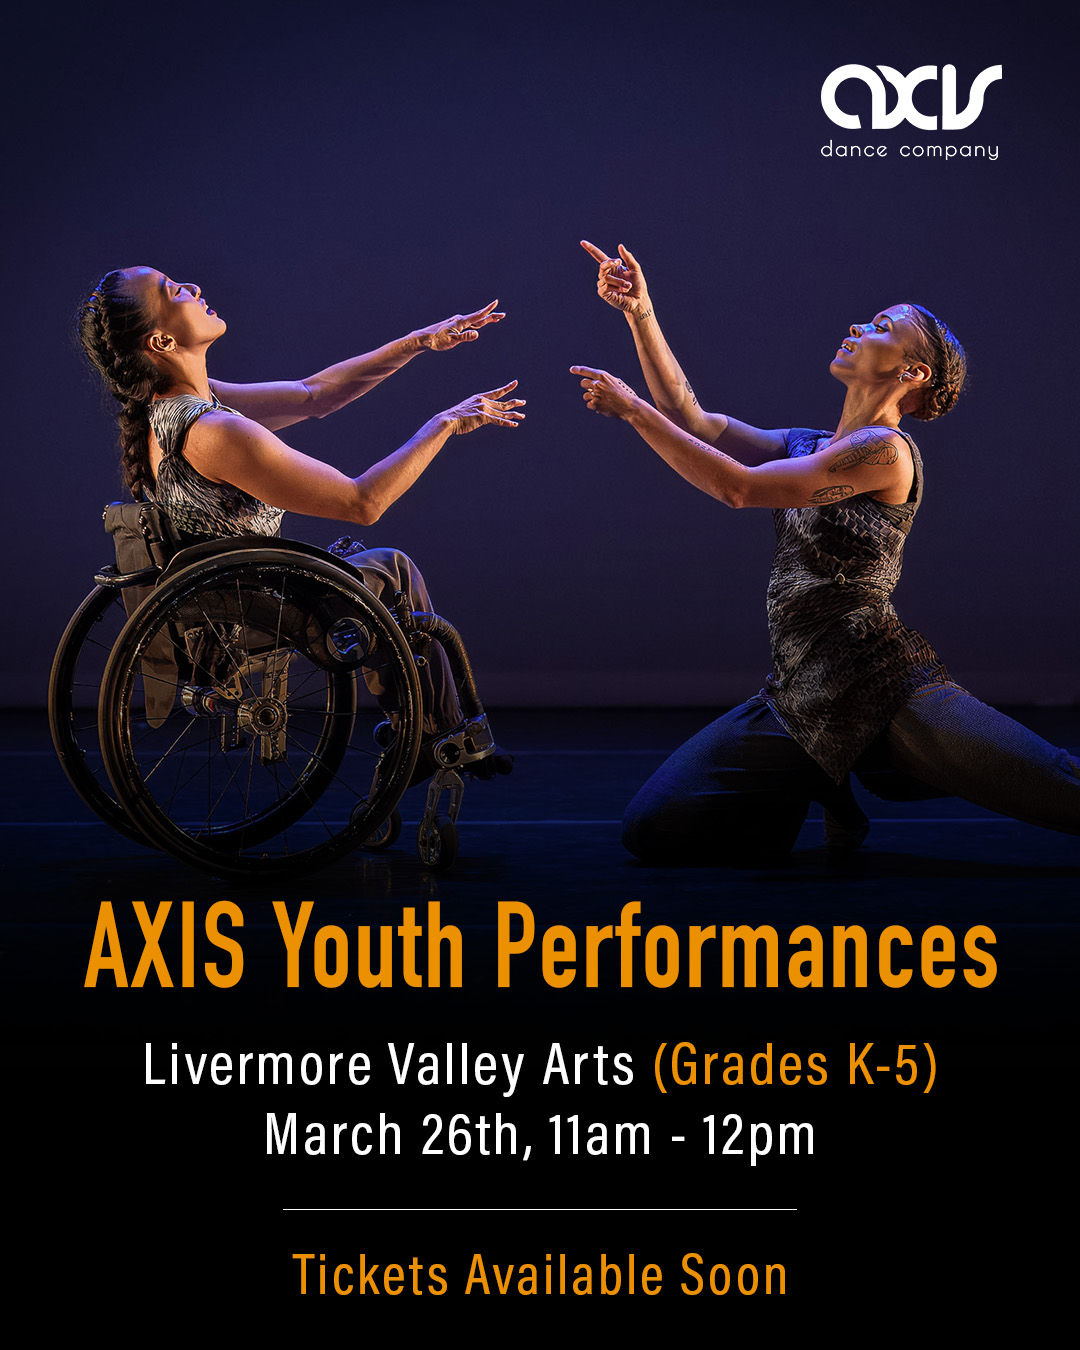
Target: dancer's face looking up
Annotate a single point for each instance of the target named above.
(178, 315)
(881, 349)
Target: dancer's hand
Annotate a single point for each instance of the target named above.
(452, 332)
(604, 393)
(487, 410)
(621, 282)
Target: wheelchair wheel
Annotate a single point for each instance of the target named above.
(74, 685)
(437, 844)
(236, 713)
(386, 835)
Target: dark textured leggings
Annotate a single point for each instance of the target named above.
(739, 790)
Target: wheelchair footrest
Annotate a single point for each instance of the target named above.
(464, 745)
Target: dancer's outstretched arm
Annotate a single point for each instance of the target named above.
(621, 284)
(238, 450)
(872, 460)
(281, 403)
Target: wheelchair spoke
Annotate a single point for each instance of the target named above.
(238, 668)
(243, 624)
(348, 787)
(178, 786)
(334, 776)
(281, 608)
(305, 680)
(367, 755)
(247, 791)
(163, 757)
(101, 646)
(230, 782)
(375, 670)
(240, 785)
(148, 675)
(198, 771)
(251, 757)
(213, 754)
(299, 784)
(226, 650)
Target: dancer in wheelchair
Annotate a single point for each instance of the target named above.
(207, 450)
(852, 688)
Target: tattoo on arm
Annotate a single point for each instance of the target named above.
(717, 454)
(689, 390)
(642, 315)
(831, 494)
(867, 447)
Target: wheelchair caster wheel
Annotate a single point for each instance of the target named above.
(437, 843)
(387, 833)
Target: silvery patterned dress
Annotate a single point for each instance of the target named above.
(194, 503)
(843, 663)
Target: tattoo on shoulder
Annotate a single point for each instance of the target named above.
(867, 447)
(831, 494)
(689, 390)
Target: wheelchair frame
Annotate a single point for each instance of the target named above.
(259, 711)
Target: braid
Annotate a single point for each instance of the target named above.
(947, 361)
(112, 325)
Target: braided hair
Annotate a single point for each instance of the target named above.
(112, 327)
(941, 351)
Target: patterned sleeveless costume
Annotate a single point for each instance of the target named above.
(194, 503)
(851, 688)
(843, 663)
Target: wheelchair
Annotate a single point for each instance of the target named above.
(258, 710)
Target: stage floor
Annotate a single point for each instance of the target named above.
(548, 836)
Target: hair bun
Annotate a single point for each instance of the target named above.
(942, 352)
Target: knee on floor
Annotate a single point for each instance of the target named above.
(673, 834)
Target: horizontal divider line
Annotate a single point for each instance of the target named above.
(541, 1209)
(491, 824)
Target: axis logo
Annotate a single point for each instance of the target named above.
(904, 108)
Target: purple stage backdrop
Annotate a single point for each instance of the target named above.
(334, 176)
